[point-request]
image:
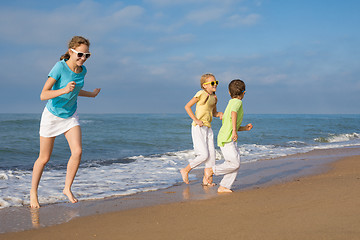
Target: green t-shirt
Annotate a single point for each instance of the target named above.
(225, 133)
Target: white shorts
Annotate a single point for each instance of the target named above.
(52, 126)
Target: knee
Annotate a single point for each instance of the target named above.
(77, 152)
(204, 156)
(235, 165)
(42, 160)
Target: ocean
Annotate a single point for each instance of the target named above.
(125, 154)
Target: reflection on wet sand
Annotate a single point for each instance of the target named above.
(35, 217)
(49, 214)
(186, 193)
(198, 191)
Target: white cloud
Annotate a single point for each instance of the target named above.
(274, 78)
(126, 15)
(136, 47)
(31, 27)
(157, 70)
(173, 2)
(184, 58)
(226, 76)
(187, 37)
(246, 20)
(258, 3)
(205, 15)
(229, 13)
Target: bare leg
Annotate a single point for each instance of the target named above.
(46, 147)
(73, 137)
(185, 173)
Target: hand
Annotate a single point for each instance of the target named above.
(248, 127)
(199, 122)
(220, 115)
(70, 87)
(234, 136)
(96, 91)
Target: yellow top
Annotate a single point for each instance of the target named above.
(205, 107)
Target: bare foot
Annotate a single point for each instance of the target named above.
(34, 202)
(208, 175)
(185, 175)
(206, 183)
(70, 196)
(222, 189)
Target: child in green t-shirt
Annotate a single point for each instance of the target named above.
(228, 136)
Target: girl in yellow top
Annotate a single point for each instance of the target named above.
(201, 132)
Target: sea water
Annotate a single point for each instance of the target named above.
(129, 153)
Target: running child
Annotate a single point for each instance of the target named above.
(62, 88)
(228, 136)
(201, 132)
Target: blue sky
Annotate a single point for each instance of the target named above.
(295, 56)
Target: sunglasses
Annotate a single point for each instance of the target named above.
(212, 83)
(81, 54)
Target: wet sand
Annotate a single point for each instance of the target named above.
(273, 200)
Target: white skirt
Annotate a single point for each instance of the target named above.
(52, 126)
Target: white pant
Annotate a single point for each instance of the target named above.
(203, 141)
(231, 165)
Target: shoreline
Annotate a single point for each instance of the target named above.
(252, 176)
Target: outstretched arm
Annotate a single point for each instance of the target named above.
(93, 94)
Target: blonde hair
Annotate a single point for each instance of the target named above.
(74, 43)
(204, 78)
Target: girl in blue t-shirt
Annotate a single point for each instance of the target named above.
(63, 86)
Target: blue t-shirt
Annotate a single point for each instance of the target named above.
(64, 106)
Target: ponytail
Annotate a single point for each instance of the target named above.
(65, 56)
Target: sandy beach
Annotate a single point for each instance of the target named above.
(320, 206)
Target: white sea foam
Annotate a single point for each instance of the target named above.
(83, 122)
(4, 176)
(144, 173)
(332, 138)
(254, 152)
